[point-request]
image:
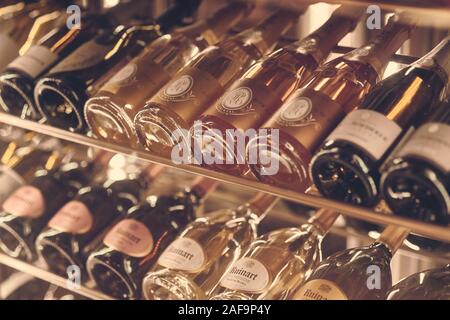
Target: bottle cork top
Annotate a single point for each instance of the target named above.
(262, 203)
(324, 219)
(393, 237)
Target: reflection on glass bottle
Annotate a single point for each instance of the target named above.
(173, 109)
(191, 266)
(311, 112)
(134, 244)
(110, 113)
(362, 273)
(277, 262)
(252, 99)
(347, 168)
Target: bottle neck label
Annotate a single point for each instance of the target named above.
(130, 237)
(247, 275)
(10, 181)
(10, 50)
(74, 217)
(89, 55)
(35, 61)
(309, 116)
(183, 254)
(320, 289)
(431, 142)
(369, 130)
(26, 202)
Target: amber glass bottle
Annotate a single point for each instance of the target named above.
(226, 126)
(174, 108)
(110, 113)
(298, 128)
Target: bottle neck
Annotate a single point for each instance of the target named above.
(261, 204)
(320, 43)
(323, 220)
(214, 28)
(378, 51)
(439, 56)
(265, 35)
(392, 237)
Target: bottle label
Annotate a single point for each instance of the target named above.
(189, 93)
(183, 254)
(10, 51)
(9, 182)
(27, 202)
(130, 237)
(320, 289)
(369, 130)
(74, 217)
(309, 116)
(431, 142)
(247, 275)
(248, 103)
(126, 76)
(87, 56)
(35, 61)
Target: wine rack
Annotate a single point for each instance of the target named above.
(381, 215)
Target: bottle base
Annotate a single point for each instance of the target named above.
(16, 97)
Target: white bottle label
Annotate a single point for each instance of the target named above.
(430, 142)
(35, 61)
(9, 51)
(320, 289)
(183, 254)
(179, 87)
(247, 275)
(237, 99)
(125, 76)
(369, 130)
(9, 182)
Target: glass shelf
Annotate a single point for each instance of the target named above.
(38, 272)
(379, 215)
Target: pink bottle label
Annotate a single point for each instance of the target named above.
(130, 237)
(27, 202)
(74, 217)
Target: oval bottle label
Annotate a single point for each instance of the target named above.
(27, 202)
(74, 217)
(320, 289)
(183, 254)
(247, 275)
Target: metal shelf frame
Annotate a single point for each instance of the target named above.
(379, 215)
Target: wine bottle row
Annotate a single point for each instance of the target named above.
(328, 123)
(136, 245)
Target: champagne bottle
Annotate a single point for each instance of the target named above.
(134, 244)
(252, 99)
(362, 273)
(347, 167)
(17, 81)
(61, 94)
(19, 163)
(257, 275)
(72, 232)
(191, 266)
(416, 181)
(280, 156)
(431, 284)
(19, 24)
(27, 211)
(174, 108)
(110, 113)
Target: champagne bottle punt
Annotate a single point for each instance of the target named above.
(16, 23)
(416, 181)
(362, 273)
(110, 113)
(60, 95)
(74, 230)
(173, 109)
(431, 284)
(191, 266)
(27, 211)
(277, 262)
(17, 81)
(298, 128)
(347, 167)
(252, 99)
(133, 245)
